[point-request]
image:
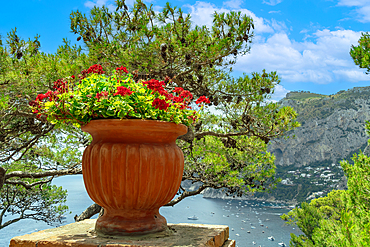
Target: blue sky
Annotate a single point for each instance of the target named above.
(307, 41)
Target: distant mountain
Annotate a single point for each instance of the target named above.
(332, 129)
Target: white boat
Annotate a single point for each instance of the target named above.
(271, 238)
(282, 244)
(193, 217)
(62, 217)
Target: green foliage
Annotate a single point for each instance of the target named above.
(342, 217)
(44, 203)
(117, 96)
(304, 95)
(361, 53)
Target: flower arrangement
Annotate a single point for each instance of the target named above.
(97, 96)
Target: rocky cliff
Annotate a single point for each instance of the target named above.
(332, 127)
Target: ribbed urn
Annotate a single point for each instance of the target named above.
(131, 168)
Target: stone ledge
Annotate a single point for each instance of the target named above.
(82, 234)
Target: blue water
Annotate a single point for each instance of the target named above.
(240, 216)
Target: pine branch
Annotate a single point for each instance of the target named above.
(19, 174)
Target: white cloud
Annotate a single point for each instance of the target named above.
(279, 93)
(272, 2)
(323, 60)
(100, 3)
(362, 7)
(278, 25)
(275, 12)
(351, 75)
(233, 4)
(202, 12)
(364, 13)
(353, 2)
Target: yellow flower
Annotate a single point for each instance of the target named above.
(48, 104)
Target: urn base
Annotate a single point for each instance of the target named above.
(130, 222)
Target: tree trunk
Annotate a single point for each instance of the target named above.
(89, 212)
(2, 177)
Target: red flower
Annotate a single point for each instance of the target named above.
(96, 68)
(168, 96)
(61, 86)
(73, 77)
(121, 69)
(99, 95)
(40, 97)
(50, 95)
(178, 90)
(178, 99)
(167, 78)
(202, 99)
(182, 106)
(34, 103)
(156, 86)
(123, 91)
(186, 94)
(160, 104)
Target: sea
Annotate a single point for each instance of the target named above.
(251, 223)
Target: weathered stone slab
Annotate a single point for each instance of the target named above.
(82, 234)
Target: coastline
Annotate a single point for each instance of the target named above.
(288, 204)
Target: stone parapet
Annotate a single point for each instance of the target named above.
(82, 234)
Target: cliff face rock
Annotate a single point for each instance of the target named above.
(332, 127)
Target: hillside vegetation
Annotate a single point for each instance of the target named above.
(332, 129)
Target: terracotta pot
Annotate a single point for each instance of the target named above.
(131, 169)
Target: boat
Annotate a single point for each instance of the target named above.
(193, 218)
(62, 217)
(282, 244)
(253, 227)
(271, 238)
